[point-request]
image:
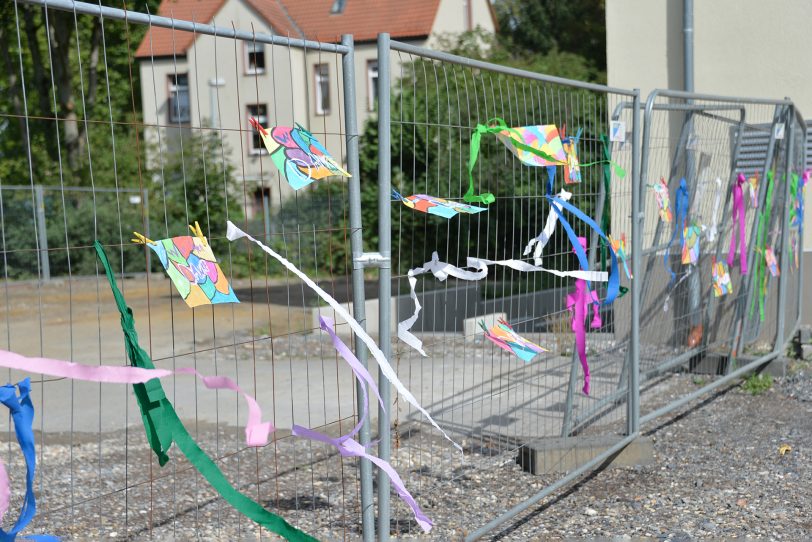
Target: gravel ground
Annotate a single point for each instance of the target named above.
(719, 473)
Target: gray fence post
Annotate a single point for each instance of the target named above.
(638, 223)
(784, 277)
(42, 234)
(357, 247)
(385, 279)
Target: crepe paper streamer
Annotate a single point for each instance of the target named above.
(760, 279)
(163, 427)
(772, 264)
(443, 270)
(233, 233)
(619, 247)
(502, 335)
(690, 247)
(753, 183)
(192, 267)
(539, 146)
(722, 285)
(298, 154)
(796, 213)
(437, 206)
(714, 229)
(256, 431)
(614, 279)
(738, 214)
(679, 227)
(349, 447)
(663, 202)
(540, 241)
(22, 413)
(572, 169)
(578, 304)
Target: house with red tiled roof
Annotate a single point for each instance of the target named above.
(192, 81)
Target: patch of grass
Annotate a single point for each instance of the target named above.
(756, 384)
(699, 381)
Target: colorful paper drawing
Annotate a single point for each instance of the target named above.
(544, 138)
(663, 200)
(437, 206)
(617, 131)
(192, 267)
(772, 263)
(503, 336)
(298, 154)
(753, 182)
(572, 168)
(619, 246)
(690, 247)
(722, 284)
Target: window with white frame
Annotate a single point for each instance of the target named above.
(259, 112)
(372, 84)
(254, 57)
(322, 87)
(178, 103)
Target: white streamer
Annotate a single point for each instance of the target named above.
(713, 229)
(547, 232)
(442, 271)
(235, 233)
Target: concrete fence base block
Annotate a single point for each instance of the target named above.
(560, 455)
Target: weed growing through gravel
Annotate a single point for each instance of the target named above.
(756, 384)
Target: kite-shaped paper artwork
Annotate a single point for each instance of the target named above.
(298, 154)
(543, 138)
(503, 336)
(753, 182)
(690, 247)
(619, 246)
(192, 267)
(572, 168)
(772, 263)
(437, 206)
(722, 284)
(663, 200)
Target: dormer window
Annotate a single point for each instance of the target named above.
(338, 7)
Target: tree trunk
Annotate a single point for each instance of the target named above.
(61, 38)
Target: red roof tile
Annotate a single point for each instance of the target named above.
(364, 19)
(203, 11)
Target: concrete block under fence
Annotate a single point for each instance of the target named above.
(371, 311)
(559, 455)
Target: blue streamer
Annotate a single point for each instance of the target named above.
(22, 412)
(614, 278)
(681, 206)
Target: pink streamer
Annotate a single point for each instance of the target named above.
(5, 491)
(738, 211)
(349, 447)
(256, 431)
(578, 305)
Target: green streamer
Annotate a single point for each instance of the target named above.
(163, 426)
(793, 197)
(760, 271)
(495, 126)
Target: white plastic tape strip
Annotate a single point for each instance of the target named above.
(714, 219)
(541, 240)
(235, 233)
(442, 271)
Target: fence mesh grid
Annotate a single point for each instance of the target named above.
(167, 146)
(490, 399)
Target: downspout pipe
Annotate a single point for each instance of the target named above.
(688, 43)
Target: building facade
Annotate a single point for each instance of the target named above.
(748, 48)
(201, 83)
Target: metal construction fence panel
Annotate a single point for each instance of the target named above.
(689, 320)
(116, 121)
(488, 398)
(119, 121)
